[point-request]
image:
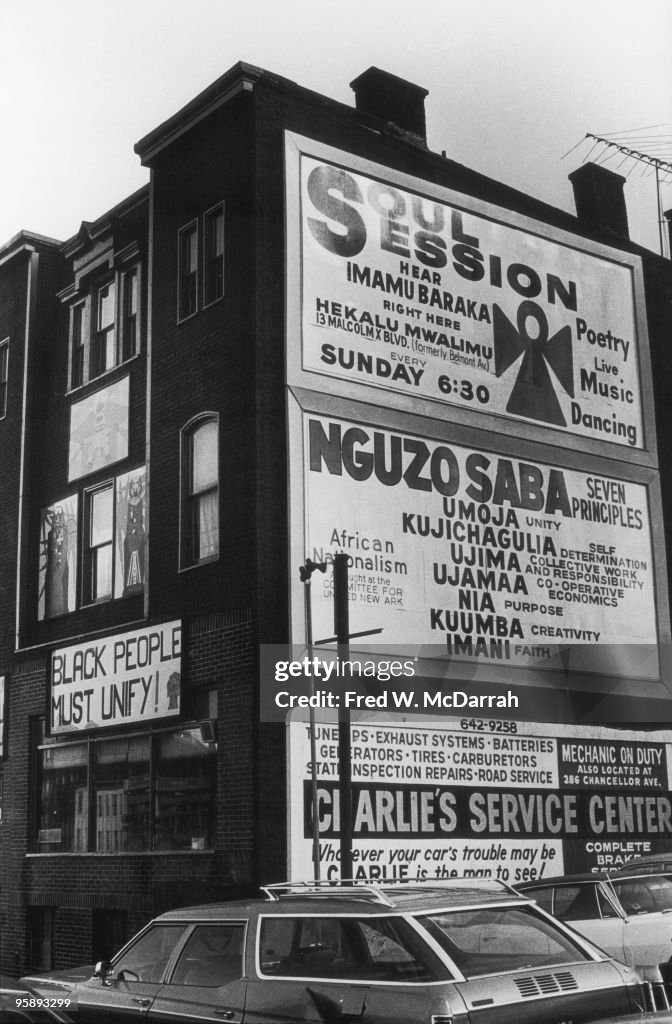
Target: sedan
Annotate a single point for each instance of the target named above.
(630, 916)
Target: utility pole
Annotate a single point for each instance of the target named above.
(342, 631)
(305, 572)
(342, 638)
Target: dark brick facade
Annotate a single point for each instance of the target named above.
(228, 359)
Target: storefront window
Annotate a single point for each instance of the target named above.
(63, 821)
(151, 792)
(185, 782)
(121, 792)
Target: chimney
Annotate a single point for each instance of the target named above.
(392, 99)
(668, 217)
(599, 198)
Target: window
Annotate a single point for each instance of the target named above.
(63, 805)
(212, 956)
(4, 367)
(200, 506)
(187, 271)
(213, 255)
(129, 314)
(103, 346)
(98, 550)
(484, 941)
(370, 949)
(78, 347)
(126, 794)
(576, 902)
(121, 794)
(148, 957)
(105, 325)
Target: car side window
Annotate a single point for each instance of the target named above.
(212, 956)
(576, 902)
(645, 895)
(606, 909)
(146, 960)
(375, 949)
(544, 897)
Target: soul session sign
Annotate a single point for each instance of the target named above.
(415, 292)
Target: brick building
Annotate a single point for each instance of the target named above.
(151, 389)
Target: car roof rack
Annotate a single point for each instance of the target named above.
(346, 887)
(380, 893)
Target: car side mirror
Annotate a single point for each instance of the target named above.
(102, 970)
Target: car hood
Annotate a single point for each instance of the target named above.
(57, 981)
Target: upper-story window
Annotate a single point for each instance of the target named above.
(200, 491)
(200, 258)
(187, 271)
(105, 325)
(129, 313)
(4, 369)
(103, 346)
(98, 547)
(213, 254)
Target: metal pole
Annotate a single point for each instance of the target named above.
(342, 631)
(305, 573)
(313, 744)
(660, 213)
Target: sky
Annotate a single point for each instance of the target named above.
(514, 86)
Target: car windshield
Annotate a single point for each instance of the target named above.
(492, 940)
(644, 895)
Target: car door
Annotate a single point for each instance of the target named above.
(135, 977)
(586, 907)
(325, 969)
(206, 982)
(647, 900)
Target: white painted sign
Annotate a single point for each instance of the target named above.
(482, 556)
(481, 797)
(114, 680)
(414, 289)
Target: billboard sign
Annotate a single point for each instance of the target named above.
(415, 289)
(117, 680)
(480, 797)
(486, 556)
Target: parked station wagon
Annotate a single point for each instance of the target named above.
(459, 952)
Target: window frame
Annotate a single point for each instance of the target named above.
(126, 351)
(40, 743)
(86, 303)
(87, 580)
(189, 499)
(210, 259)
(4, 377)
(184, 313)
(108, 332)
